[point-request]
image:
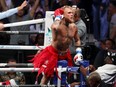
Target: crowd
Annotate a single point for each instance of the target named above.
(69, 32)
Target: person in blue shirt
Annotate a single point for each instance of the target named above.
(10, 12)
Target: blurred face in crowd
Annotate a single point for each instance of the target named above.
(109, 44)
(12, 63)
(112, 9)
(76, 12)
(20, 13)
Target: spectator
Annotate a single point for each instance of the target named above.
(10, 12)
(99, 59)
(82, 30)
(18, 77)
(112, 13)
(36, 28)
(104, 76)
(82, 34)
(22, 16)
(39, 40)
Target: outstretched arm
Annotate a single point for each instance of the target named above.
(12, 11)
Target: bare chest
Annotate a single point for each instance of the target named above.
(66, 31)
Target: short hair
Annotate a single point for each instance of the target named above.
(112, 41)
(66, 6)
(94, 78)
(94, 75)
(78, 12)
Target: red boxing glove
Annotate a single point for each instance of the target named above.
(58, 13)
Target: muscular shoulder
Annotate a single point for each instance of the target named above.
(55, 25)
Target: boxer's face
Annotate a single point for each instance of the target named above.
(68, 14)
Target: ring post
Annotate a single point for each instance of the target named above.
(61, 74)
(82, 78)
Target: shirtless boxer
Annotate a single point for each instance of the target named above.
(63, 32)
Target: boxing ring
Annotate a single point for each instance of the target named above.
(28, 67)
(25, 67)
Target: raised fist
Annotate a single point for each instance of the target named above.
(58, 13)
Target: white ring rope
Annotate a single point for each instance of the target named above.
(18, 69)
(17, 64)
(21, 32)
(27, 69)
(35, 21)
(16, 47)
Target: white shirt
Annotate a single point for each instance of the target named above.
(107, 73)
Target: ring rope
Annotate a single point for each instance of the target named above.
(60, 69)
(35, 21)
(27, 69)
(18, 47)
(21, 32)
(16, 65)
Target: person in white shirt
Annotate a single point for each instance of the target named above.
(104, 75)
